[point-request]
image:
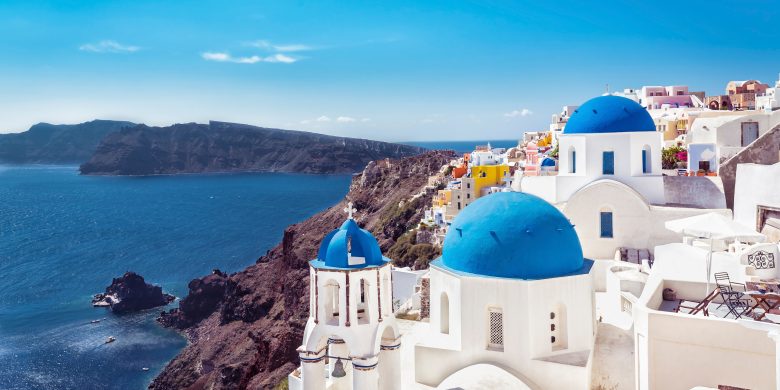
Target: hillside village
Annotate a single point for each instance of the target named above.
(632, 245)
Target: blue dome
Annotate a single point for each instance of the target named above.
(609, 114)
(513, 235)
(349, 240)
(548, 162)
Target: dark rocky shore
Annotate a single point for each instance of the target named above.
(243, 329)
(130, 293)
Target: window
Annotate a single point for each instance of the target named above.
(606, 224)
(572, 160)
(468, 185)
(496, 329)
(558, 336)
(363, 307)
(608, 163)
(647, 166)
(332, 296)
(444, 318)
(458, 205)
(468, 196)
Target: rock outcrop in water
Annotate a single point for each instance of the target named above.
(230, 147)
(56, 144)
(130, 293)
(244, 328)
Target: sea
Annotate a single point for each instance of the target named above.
(464, 146)
(64, 236)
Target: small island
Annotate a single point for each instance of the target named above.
(130, 293)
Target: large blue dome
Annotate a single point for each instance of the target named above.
(349, 241)
(609, 114)
(512, 235)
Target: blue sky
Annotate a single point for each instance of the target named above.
(417, 70)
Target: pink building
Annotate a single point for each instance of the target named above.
(657, 97)
(531, 159)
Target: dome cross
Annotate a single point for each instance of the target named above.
(350, 210)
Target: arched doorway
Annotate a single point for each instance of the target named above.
(389, 364)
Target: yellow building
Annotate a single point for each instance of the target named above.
(442, 198)
(488, 176)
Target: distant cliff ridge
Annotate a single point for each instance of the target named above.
(230, 147)
(45, 143)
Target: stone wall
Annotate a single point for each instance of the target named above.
(425, 298)
(694, 191)
(765, 150)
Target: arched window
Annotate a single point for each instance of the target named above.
(647, 163)
(558, 335)
(495, 329)
(444, 318)
(572, 160)
(332, 300)
(364, 307)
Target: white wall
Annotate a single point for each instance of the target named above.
(404, 282)
(526, 309)
(755, 185)
(627, 148)
(679, 351)
(635, 224)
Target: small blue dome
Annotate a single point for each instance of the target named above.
(349, 241)
(609, 114)
(548, 162)
(512, 235)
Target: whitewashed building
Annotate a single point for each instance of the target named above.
(512, 291)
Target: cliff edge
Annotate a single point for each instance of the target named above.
(244, 328)
(231, 147)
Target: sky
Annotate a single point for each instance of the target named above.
(386, 70)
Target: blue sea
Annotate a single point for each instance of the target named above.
(463, 146)
(64, 236)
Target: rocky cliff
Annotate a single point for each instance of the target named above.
(56, 144)
(130, 293)
(244, 328)
(230, 147)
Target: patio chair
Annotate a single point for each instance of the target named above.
(736, 306)
(728, 289)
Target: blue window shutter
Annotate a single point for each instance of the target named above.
(644, 161)
(608, 163)
(606, 224)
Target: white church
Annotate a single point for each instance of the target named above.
(499, 298)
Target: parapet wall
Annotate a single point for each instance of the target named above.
(704, 192)
(765, 150)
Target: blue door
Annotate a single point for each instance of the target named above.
(645, 168)
(609, 163)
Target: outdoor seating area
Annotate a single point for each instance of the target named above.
(726, 300)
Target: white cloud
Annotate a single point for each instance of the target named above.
(263, 44)
(516, 113)
(345, 119)
(226, 57)
(323, 119)
(108, 46)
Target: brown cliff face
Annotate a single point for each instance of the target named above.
(231, 147)
(244, 328)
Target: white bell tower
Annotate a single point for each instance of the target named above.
(351, 339)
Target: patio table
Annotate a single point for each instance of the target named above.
(767, 301)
